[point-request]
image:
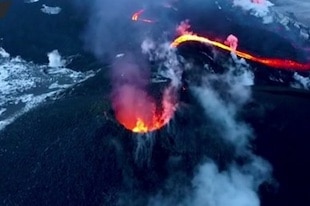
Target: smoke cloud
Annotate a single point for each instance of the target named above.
(55, 59)
(232, 41)
(236, 186)
(129, 97)
(108, 28)
(169, 63)
(238, 183)
(224, 111)
(183, 27)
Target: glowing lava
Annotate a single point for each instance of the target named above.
(134, 107)
(140, 127)
(145, 122)
(136, 17)
(276, 63)
(138, 112)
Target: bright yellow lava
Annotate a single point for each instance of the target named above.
(140, 127)
(276, 63)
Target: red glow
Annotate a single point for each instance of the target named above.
(276, 63)
(258, 1)
(138, 112)
(183, 27)
(136, 17)
(232, 42)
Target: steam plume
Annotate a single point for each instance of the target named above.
(232, 41)
(237, 184)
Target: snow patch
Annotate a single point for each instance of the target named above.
(3, 53)
(301, 82)
(30, 1)
(24, 85)
(261, 9)
(50, 10)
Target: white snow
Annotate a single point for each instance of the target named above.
(30, 1)
(261, 10)
(50, 10)
(24, 85)
(301, 82)
(3, 53)
(300, 8)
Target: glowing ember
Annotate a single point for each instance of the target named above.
(276, 63)
(136, 17)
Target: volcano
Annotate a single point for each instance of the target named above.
(97, 108)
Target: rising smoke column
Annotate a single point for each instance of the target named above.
(129, 82)
(134, 107)
(238, 183)
(110, 31)
(108, 28)
(183, 28)
(232, 42)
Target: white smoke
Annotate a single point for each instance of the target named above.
(232, 41)
(222, 112)
(238, 184)
(215, 188)
(301, 82)
(55, 59)
(169, 66)
(261, 9)
(170, 62)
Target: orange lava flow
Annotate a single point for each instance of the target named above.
(136, 17)
(276, 63)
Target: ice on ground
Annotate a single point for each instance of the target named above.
(24, 85)
(50, 10)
